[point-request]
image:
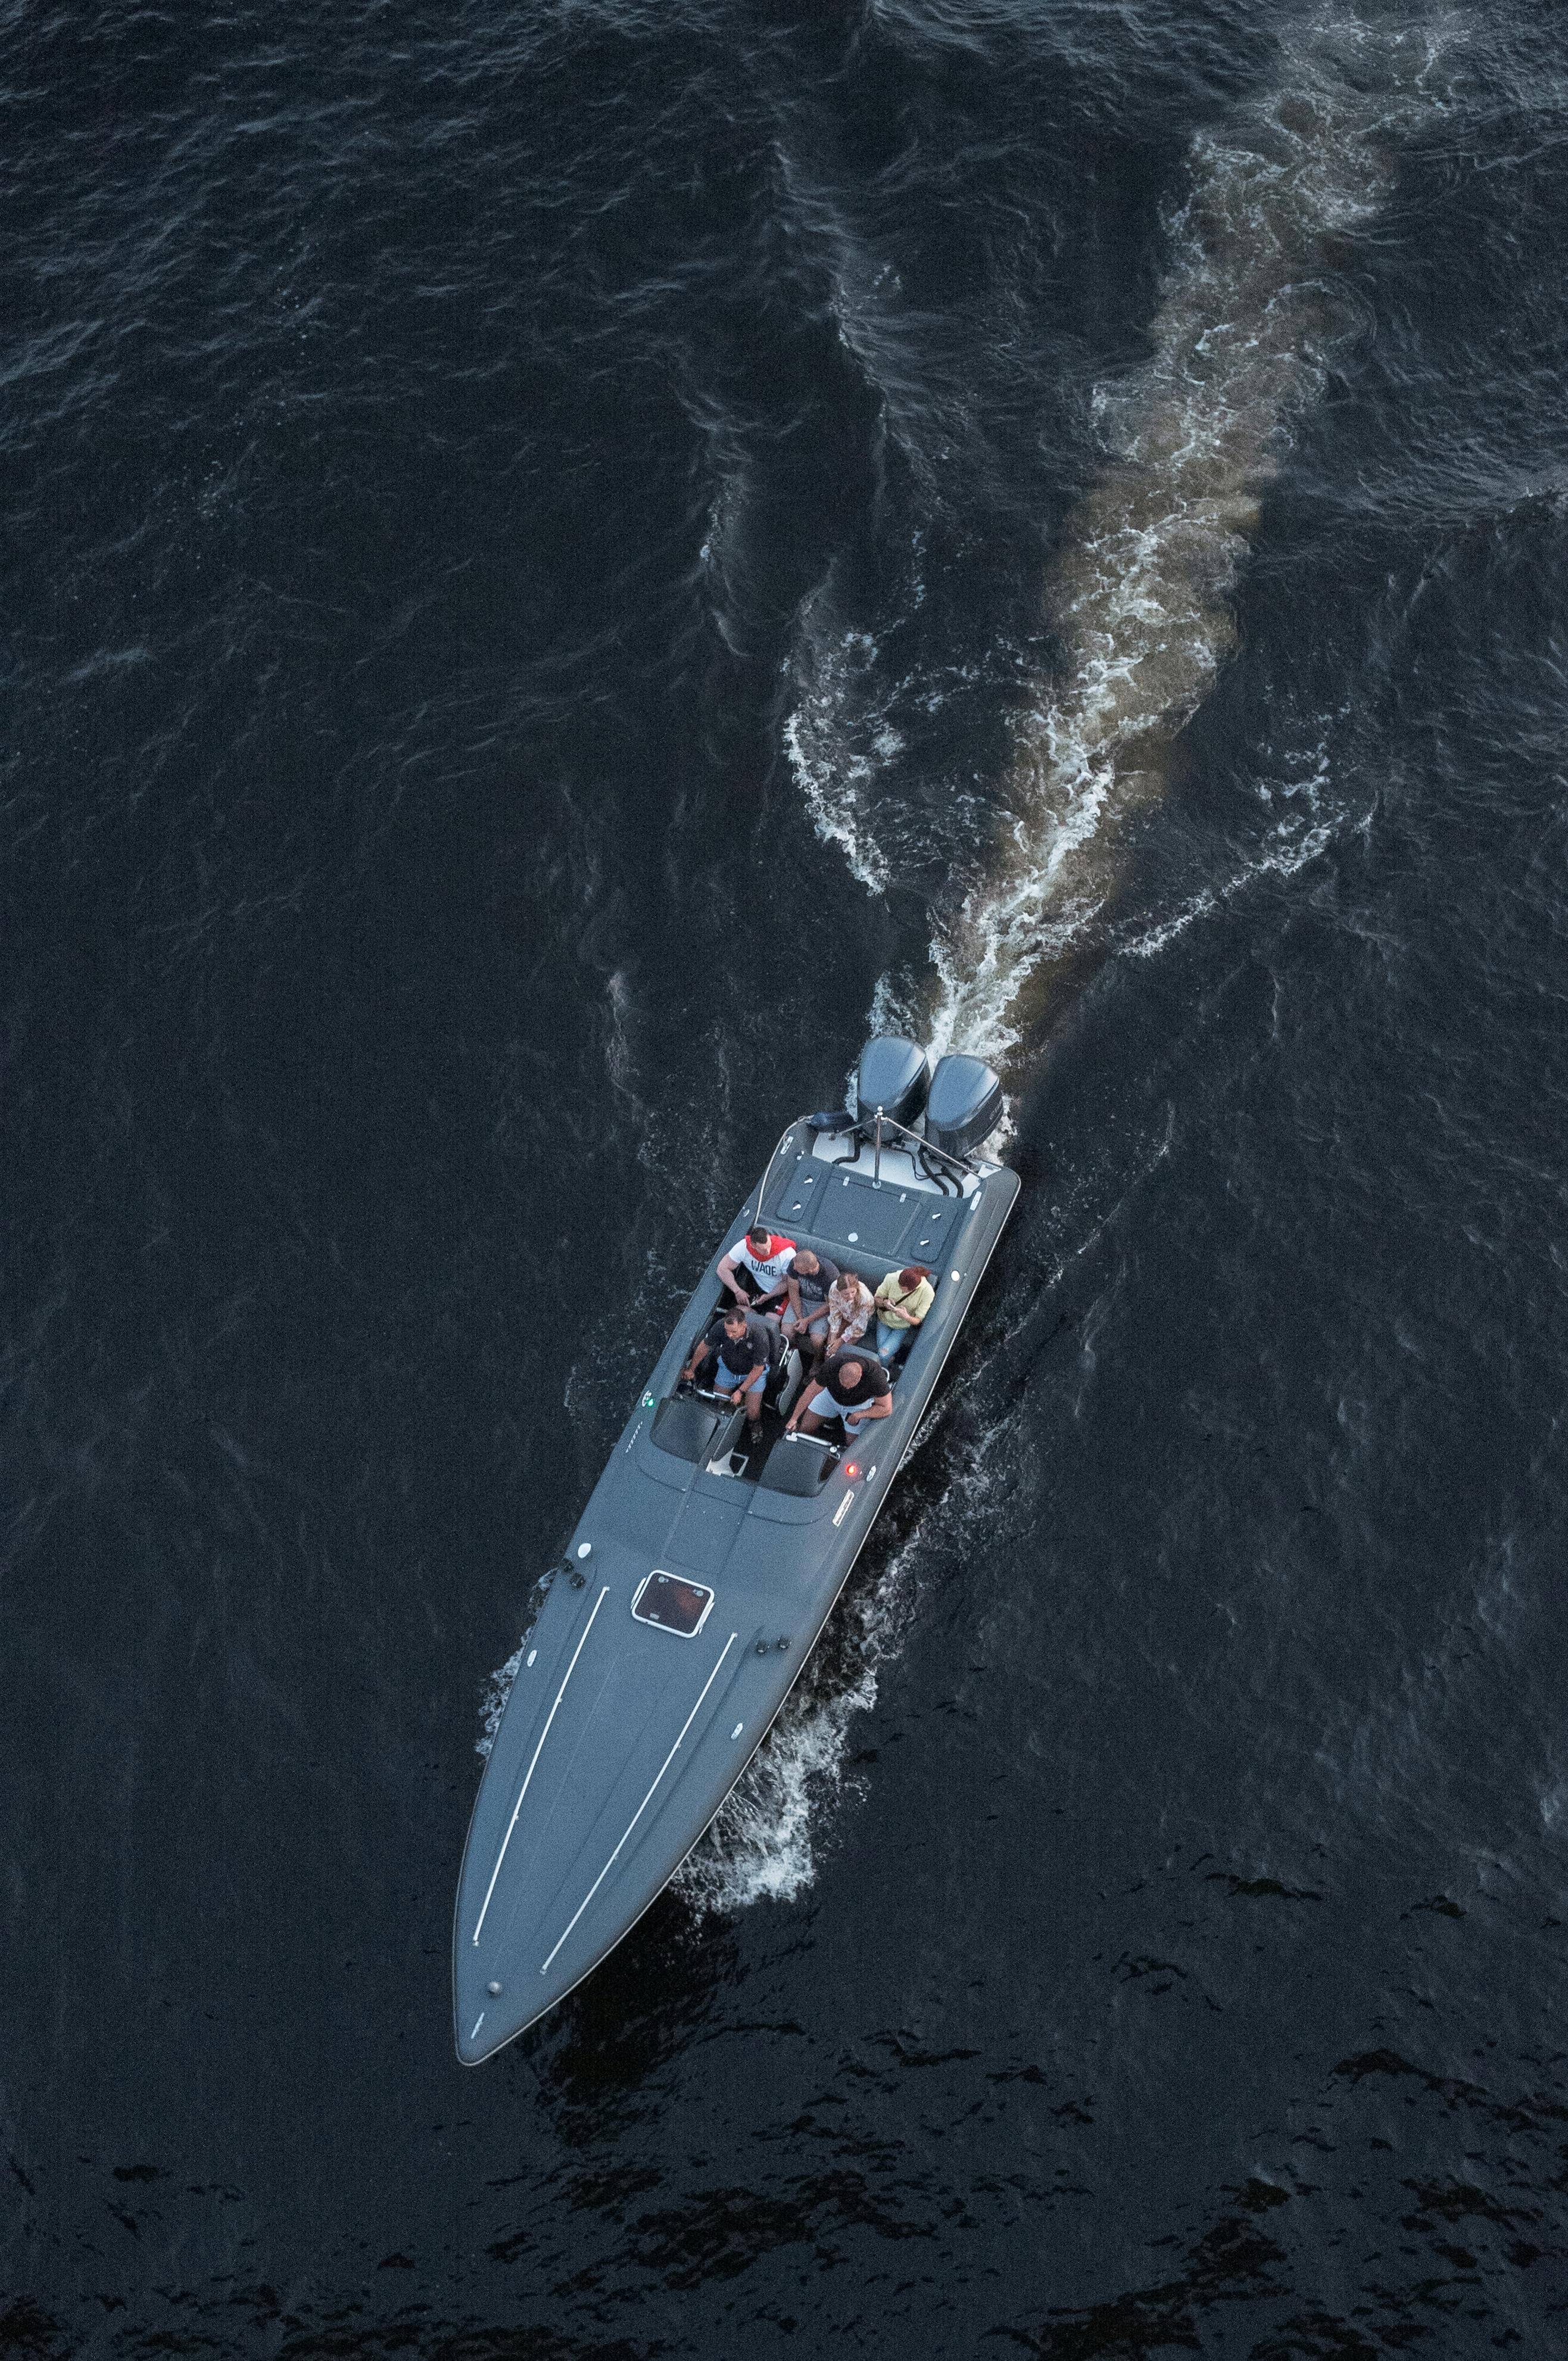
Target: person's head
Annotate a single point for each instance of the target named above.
(759, 1240)
(848, 1279)
(914, 1275)
(805, 1262)
(735, 1323)
(851, 1372)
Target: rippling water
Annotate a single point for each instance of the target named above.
(561, 566)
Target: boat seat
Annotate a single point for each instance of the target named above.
(696, 1426)
(799, 1464)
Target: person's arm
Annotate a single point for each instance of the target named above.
(791, 1289)
(878, 1409)
(699, 1353)
(727, 1279)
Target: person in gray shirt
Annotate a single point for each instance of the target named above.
(810, 1277)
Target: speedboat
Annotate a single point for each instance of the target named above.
(706, 1562)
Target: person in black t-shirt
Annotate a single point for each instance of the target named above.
(736, 1344)
(855, 1387)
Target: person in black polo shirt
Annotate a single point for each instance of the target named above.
(855, 1387)
(736, 1345)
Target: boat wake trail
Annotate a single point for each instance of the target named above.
(1139, 594)
(833, 776)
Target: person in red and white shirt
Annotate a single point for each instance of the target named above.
(755, 1270)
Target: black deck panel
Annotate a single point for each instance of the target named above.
(891, 1225)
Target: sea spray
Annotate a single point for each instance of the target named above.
(500, 1685)
(764, 1843)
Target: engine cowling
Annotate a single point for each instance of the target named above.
(893, 1075)
(964, 1106)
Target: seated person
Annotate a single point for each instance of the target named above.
(810, 1277)
(851, 1304)
(854, 1388)
(737, 1346)
(756, 1270)
(903, 1300)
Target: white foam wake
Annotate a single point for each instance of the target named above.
(1139, 594)
(494, 1703)
(763, 1844)
(832, 770)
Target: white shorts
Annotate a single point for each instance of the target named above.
(822, 1405)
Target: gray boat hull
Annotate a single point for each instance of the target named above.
(621, 1740)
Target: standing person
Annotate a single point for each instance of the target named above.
(737, 1343)
(810, 1277)
(755, 1271)
(851, 1304)
(855, 1387)
(903, 1300)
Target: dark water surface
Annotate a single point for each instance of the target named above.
(557, 559)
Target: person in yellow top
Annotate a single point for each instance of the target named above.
(903, 1300)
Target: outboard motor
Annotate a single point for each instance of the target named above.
(964, 1106)
(892, 1075)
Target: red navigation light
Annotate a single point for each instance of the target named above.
(851, 1469)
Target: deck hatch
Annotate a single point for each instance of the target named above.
(673, 1603)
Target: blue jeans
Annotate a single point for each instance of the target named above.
(891, 1342)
